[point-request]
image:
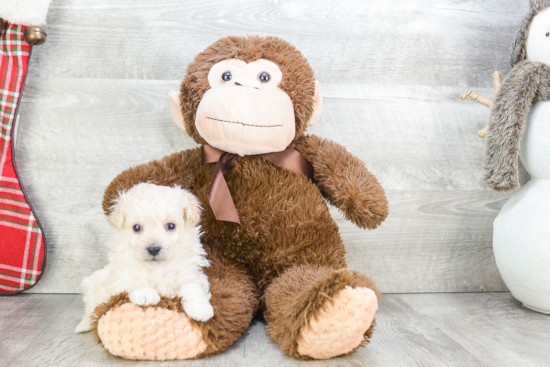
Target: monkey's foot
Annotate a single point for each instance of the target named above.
(153, 333)
(340, 325)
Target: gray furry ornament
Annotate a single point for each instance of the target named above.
(519, 127)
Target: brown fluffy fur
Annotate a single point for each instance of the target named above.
(296, 297)
(363, 201)
(298, 80)
(286, 225)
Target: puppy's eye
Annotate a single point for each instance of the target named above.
(264, 77)
(136, 228)
(227, 76)
(547, 34)
(170, 226)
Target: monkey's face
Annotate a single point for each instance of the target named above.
(538, 40)
(245, 112)
(247, 95)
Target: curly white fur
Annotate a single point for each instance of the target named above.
(176, 270)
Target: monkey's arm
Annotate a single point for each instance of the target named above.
(345, 181)
(176, 169)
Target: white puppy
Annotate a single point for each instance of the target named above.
(155, 252)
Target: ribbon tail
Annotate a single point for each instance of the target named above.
(220, 198)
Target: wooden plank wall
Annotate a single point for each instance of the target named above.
(391, 73)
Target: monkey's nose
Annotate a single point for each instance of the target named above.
(153, 250)
(243, 82)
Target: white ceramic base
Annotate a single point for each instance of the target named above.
(521, 236)
(547, 312)
(521, 242)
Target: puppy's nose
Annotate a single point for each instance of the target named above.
(153, 250)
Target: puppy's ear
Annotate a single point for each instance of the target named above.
(191, 208)
(117, 215)
(193, 215)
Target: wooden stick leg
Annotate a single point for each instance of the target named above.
(497, 80)
(477, 97)
(483, 132)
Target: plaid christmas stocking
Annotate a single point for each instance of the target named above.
(22, 242)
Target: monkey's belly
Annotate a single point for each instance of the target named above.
(284, 221)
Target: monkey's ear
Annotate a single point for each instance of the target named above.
(317, 106)
(175, 109)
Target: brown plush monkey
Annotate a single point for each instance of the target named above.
(247, 97)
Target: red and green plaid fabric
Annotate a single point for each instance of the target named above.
(21, 240)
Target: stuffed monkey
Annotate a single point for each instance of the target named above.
(266, 225)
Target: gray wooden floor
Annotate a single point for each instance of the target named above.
(474, 329)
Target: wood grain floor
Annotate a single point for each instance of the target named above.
(391, 73)
(474, 329)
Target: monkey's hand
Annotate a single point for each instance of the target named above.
(176, 169)
(345, 181)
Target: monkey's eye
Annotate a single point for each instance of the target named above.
(136, 228)
(547, 34)
(263, 77)
(170, 226)
(227, 76)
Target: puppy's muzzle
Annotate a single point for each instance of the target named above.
(153, 250)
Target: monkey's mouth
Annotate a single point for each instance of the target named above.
(241, 123)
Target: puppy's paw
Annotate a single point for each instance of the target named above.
(84, 326)
(145, 296)
(199, 310)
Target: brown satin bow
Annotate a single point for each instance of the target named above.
(219, 196)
